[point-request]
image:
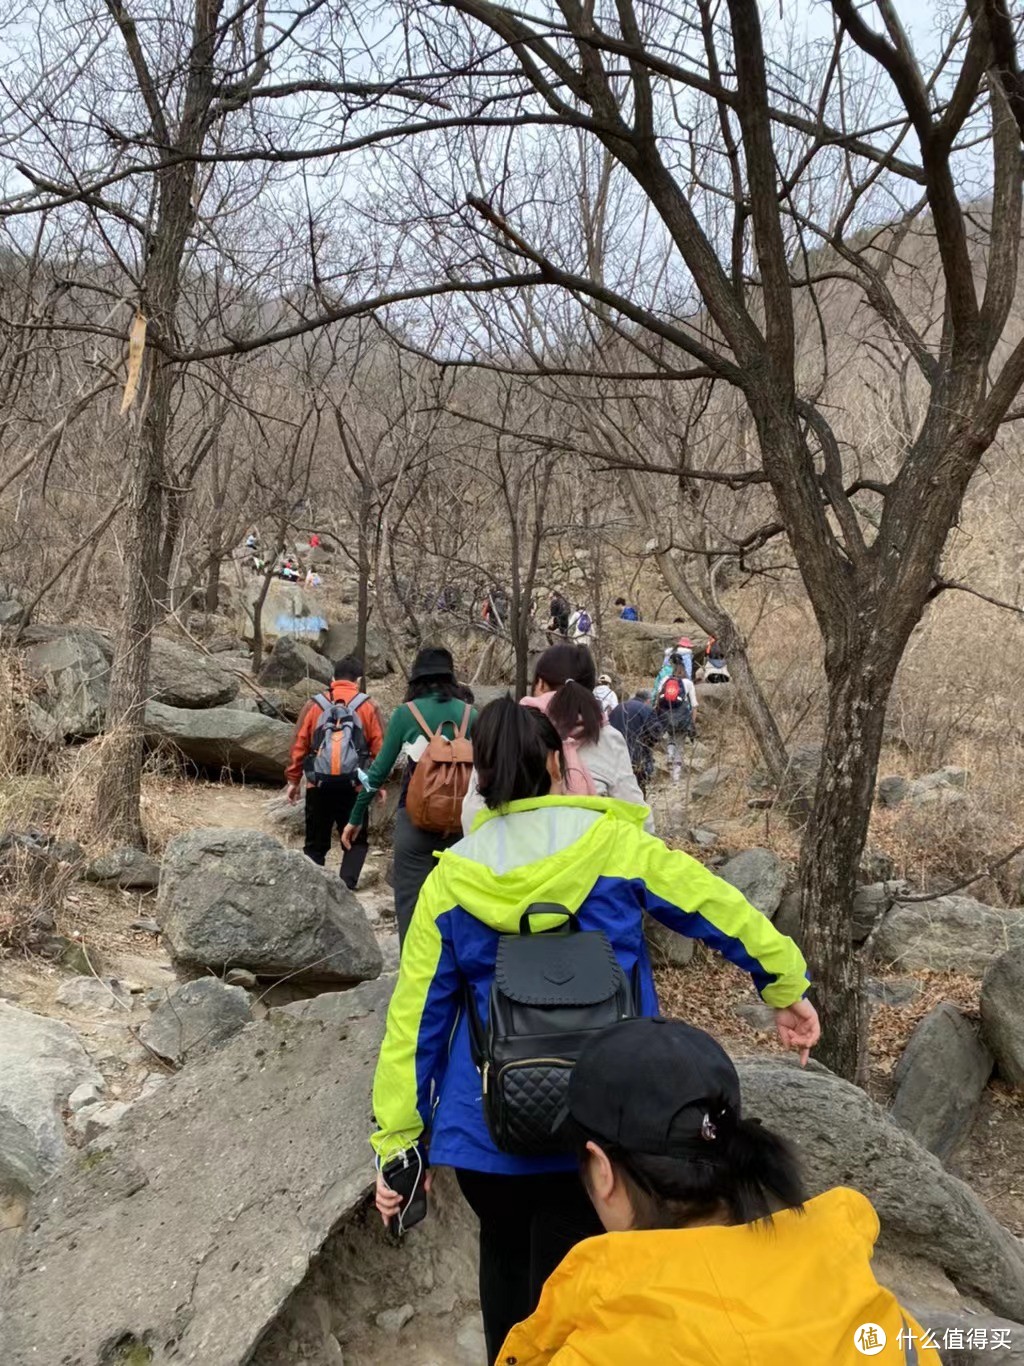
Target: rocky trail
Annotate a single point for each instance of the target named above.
(188, 1045)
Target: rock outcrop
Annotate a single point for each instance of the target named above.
(238, 898)
(760, 875)
(939, 1080)
(948, 934)
(340, 640)
(254, 746)
(181, 1233)
(41, 1063)
(1002, 1014)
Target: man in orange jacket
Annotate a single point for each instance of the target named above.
(329, 805)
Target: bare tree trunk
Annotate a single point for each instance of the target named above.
(120, 783)
(833, 840)
(212, 599)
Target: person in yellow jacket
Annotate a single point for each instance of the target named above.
(712, 1255)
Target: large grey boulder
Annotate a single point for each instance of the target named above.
(710, 780)
(939, 1080)
(127, 868)
(288, 610)
(1002, 1014)
(196, 1014)
(182, 1232)
(74, 676)
(760, 875)
(218, 737)
(944, 787)
(949, 934)
(238, 898)
(870, 903)
(293, 661)
(846, 1139)
(41, 1063)
(287, 816)
(637, 648)
(340, 640)
(182, 676)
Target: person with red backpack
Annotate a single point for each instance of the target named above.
(338, 735)
(676, 704)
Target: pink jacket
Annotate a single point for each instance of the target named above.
(577, 775)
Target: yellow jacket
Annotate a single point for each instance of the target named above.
(748, 1295)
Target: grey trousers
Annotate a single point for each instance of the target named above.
(413, 863)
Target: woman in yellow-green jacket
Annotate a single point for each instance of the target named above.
(711, 1256)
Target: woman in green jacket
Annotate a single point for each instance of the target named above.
(433, 688)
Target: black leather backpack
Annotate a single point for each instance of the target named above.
(551, 992)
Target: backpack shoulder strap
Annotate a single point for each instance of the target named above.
(464, 724)
(323, 701)
(357, 701)
(418, 718)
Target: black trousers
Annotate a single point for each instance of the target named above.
(527, 1225)
(327, 807)
(414, 861)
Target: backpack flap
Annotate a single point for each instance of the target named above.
(557, 970)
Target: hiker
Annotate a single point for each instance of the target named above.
(642, 728)
(314, 541)
(607, 697)
(558, 618)
(597, 759)
(289, 570)
(252, 541)
(627, 613)
(313, 579)
(713, 1238)
(338, 733)
(715, 668)
(431, 703)
(581, 626)
(591, 861)
(676, 703)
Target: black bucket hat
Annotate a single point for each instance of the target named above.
(433, 662)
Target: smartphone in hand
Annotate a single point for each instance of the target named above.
(405, 1174)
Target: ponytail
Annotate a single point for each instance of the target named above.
(570, 672)
(511, 746)
(574, 710)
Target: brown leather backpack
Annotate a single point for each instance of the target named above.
(441, 778)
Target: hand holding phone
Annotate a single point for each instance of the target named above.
(403, 1176)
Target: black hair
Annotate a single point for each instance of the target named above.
(569, 670)
(465, 693)
(441, 686)
(350, 669)
(757, 1175)
(511, 745)
(620, 602)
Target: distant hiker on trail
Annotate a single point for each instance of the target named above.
(338, 733)
(684, 647)
(558, 618)
(715, 668)
(596, 759)
(627, 613)
(430, 805)
(313, 579)
(289, 571)
(252, 541)
(606, 695)
(642, 727)
(314, 541)
(540, 859)
(581, 626)
(676, 704)
(496, 610)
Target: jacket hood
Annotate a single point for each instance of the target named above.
(541, 849)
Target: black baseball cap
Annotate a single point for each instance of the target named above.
(655, 1086)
